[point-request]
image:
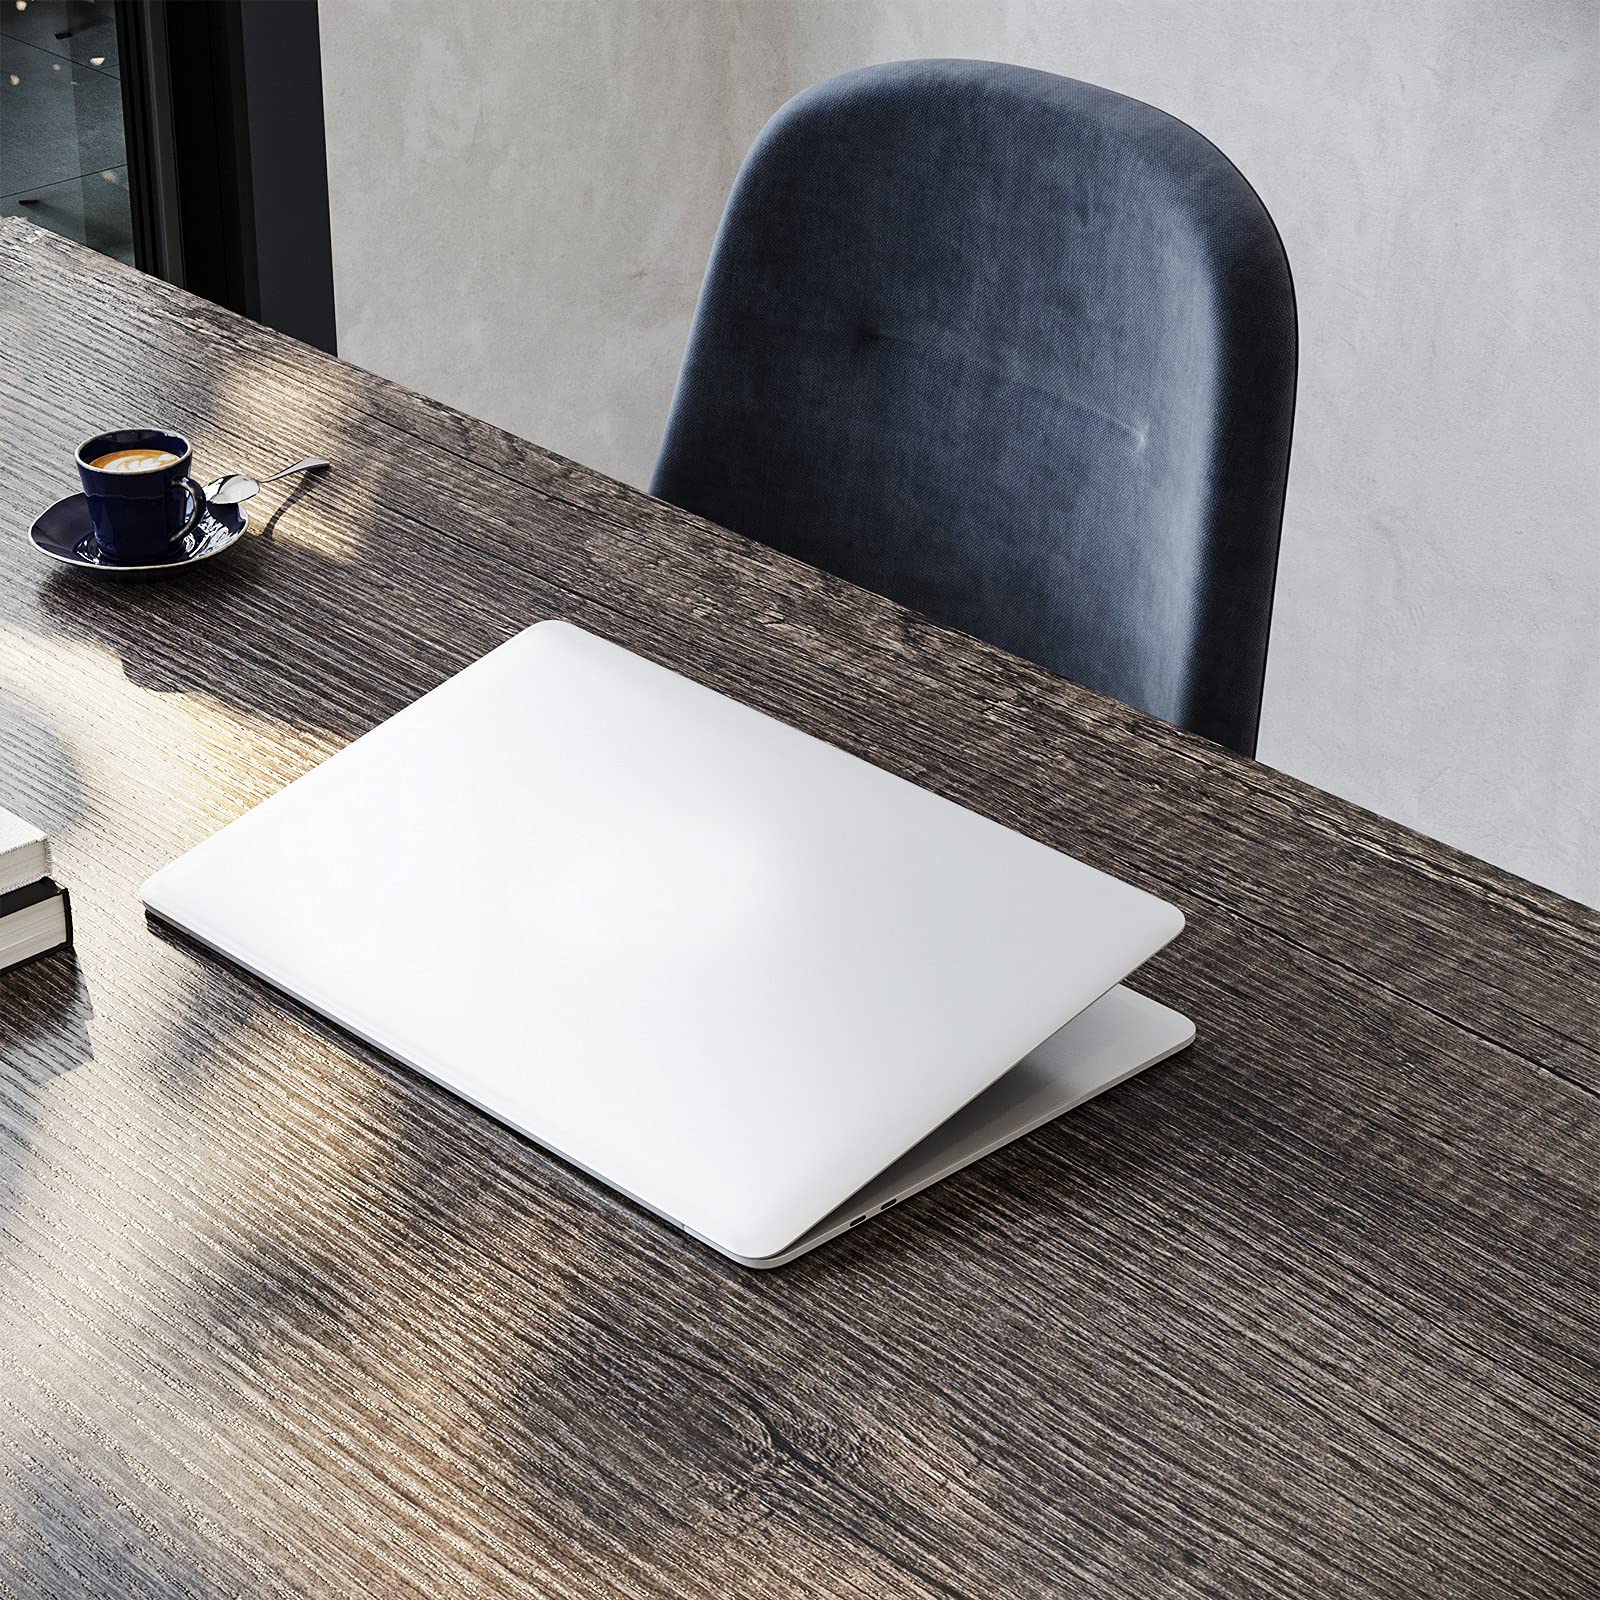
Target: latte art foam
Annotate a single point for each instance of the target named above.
(133, 460)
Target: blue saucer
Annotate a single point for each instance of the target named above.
(65, 534)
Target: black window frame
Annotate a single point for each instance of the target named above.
(227, 155)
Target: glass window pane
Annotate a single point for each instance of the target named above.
(62, 157)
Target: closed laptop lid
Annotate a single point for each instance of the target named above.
(722, 965)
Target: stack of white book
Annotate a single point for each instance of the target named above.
(35, 915)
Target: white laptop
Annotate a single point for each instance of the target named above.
(761, 987)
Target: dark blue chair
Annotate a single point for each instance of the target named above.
(1018, 353)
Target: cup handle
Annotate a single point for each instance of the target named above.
(198, 497)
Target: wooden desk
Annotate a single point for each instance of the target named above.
(1308, 1311)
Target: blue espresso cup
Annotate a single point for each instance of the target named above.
(139, 514)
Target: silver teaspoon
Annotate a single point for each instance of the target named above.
(237, 486)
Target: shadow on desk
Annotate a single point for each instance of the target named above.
(44, 1034)
(44, 1022)
(41, 778)
(226, 628)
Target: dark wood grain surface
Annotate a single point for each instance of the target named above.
(1309, 1311)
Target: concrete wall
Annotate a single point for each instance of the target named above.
(524, 195)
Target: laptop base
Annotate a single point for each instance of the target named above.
(1120, 1035)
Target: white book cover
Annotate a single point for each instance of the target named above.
(24, 853)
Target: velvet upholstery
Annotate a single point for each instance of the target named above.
(1017, 352)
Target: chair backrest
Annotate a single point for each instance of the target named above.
(1017, 352)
